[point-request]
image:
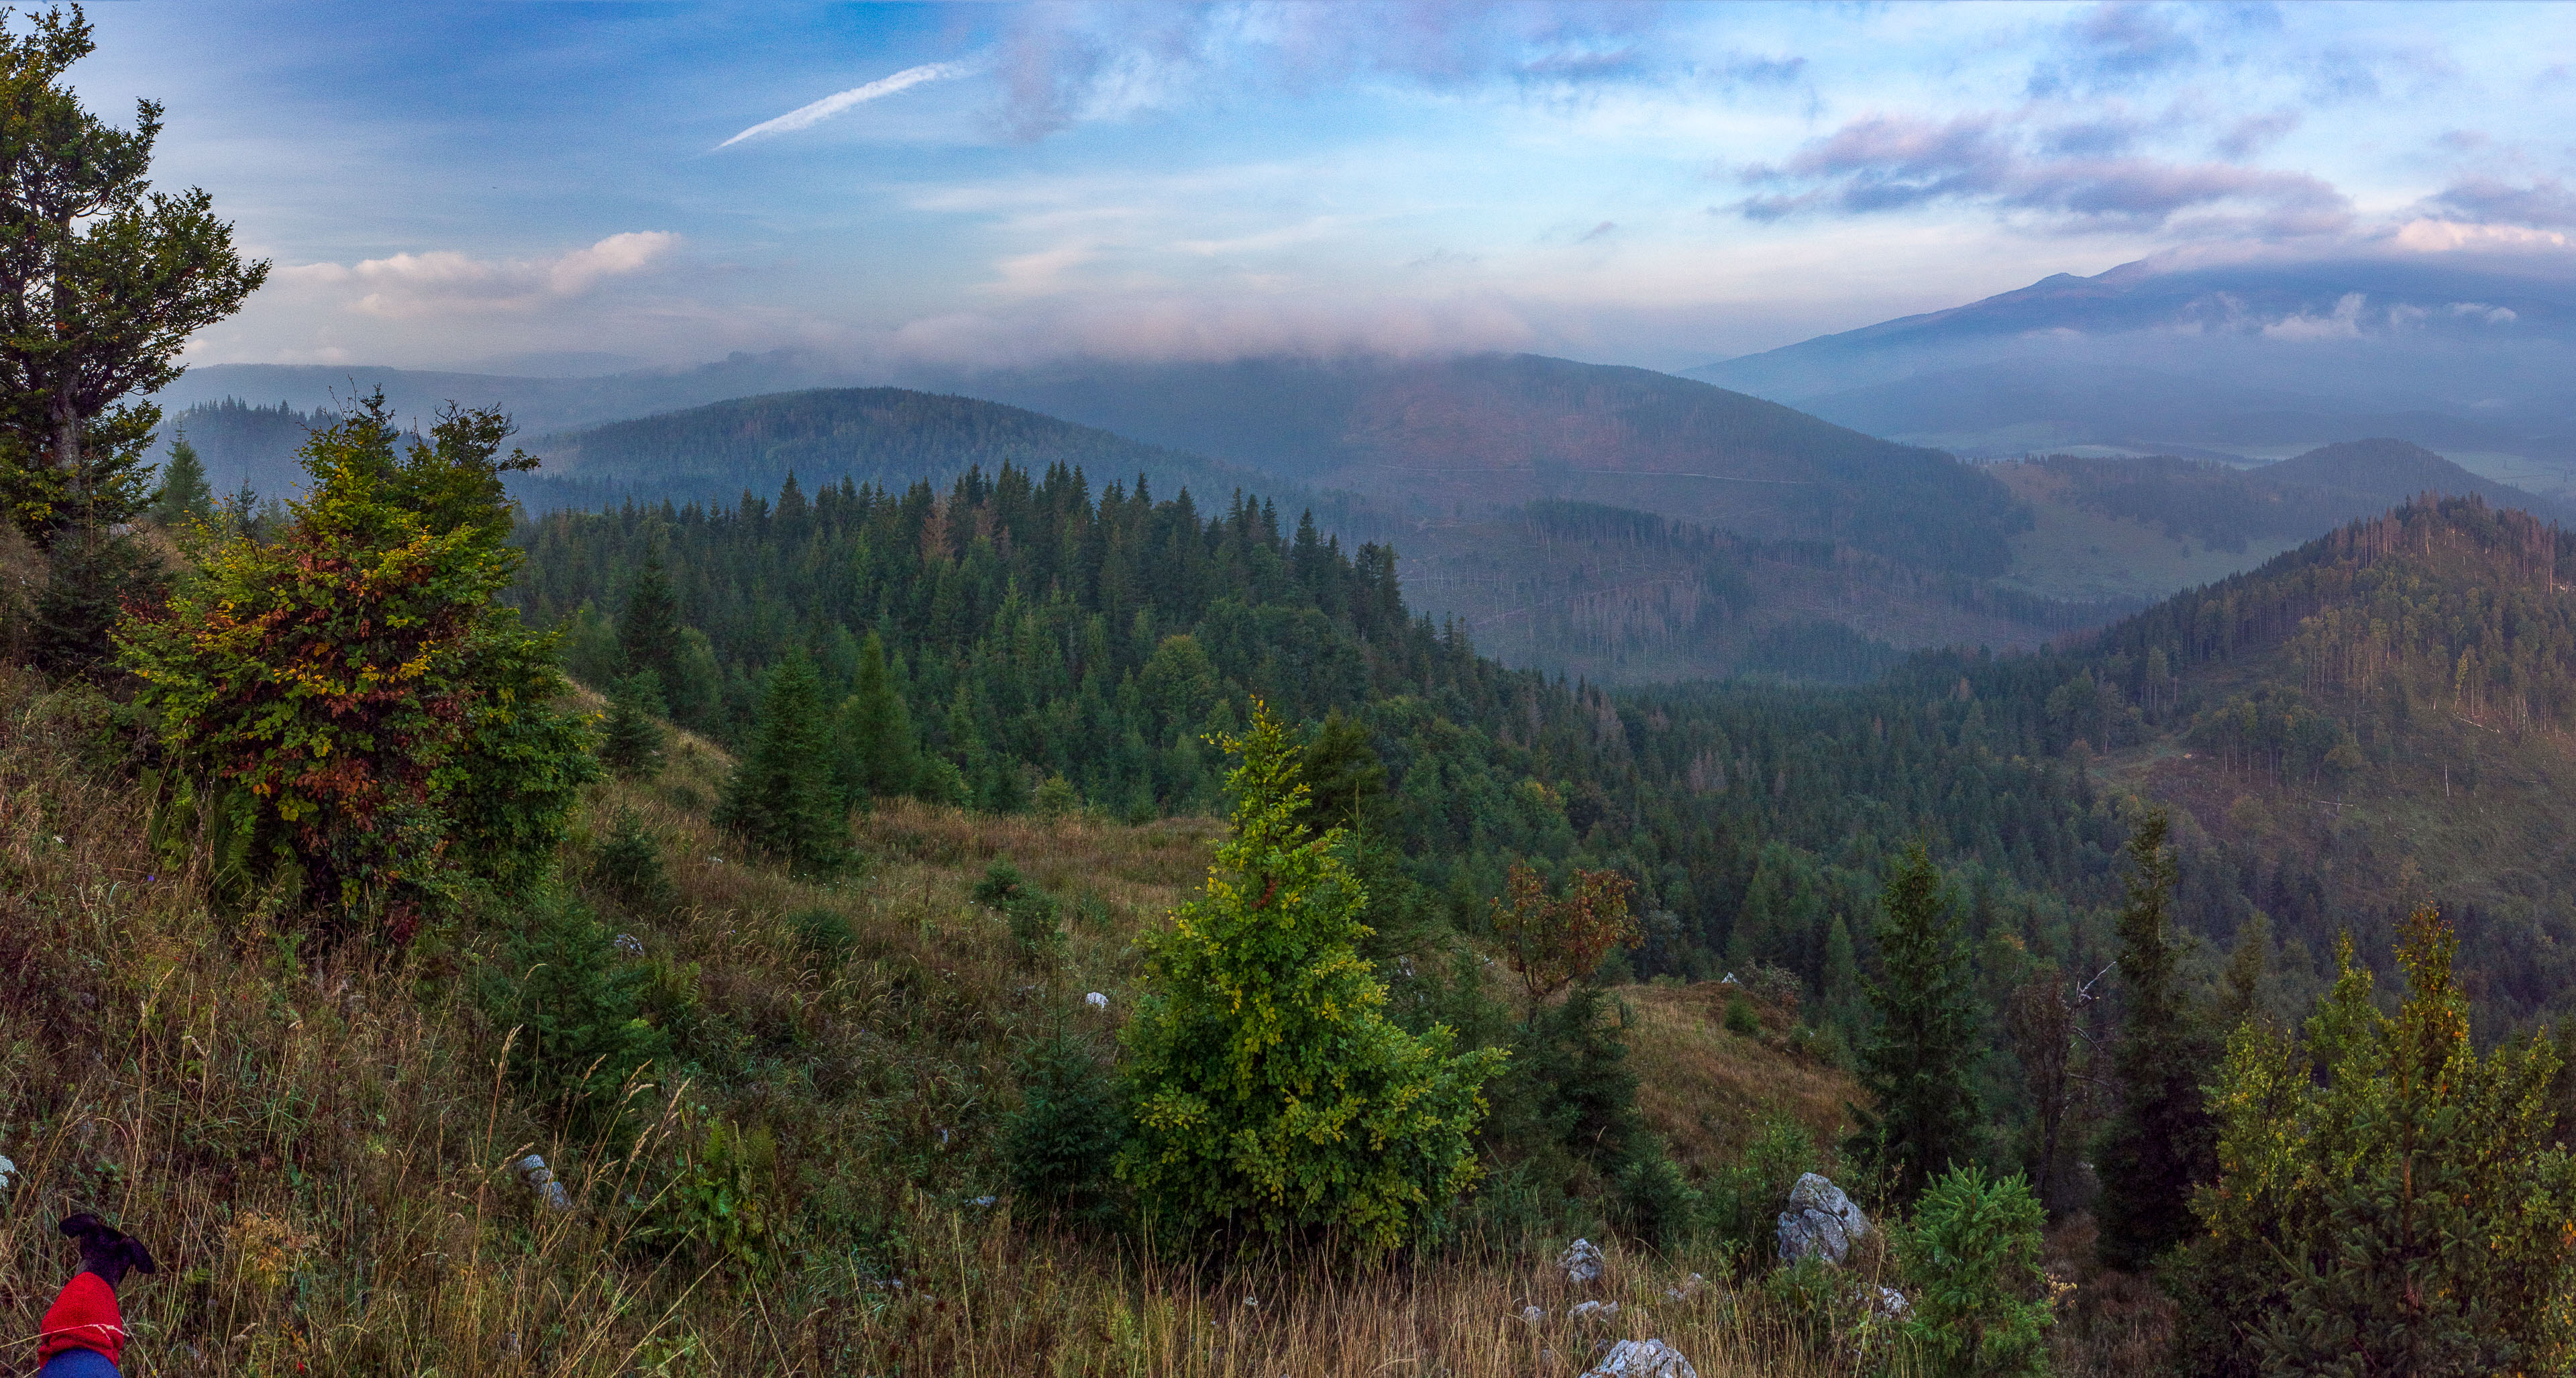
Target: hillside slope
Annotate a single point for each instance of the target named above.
(2150, 526)
(2383, 716)
(1448, 437)
(319, 1149)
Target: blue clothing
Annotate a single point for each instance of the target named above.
(78, 1363)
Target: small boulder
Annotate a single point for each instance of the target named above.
(1592, 1311)
(1688, 1289)
(1884, 1303)
(1096, 1000)
(1642, 1359)
(1820, 1222)
(1581, 1262)
(541, 1180)
(1533, 1314)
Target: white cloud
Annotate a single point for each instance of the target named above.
(443, 282)
(807, 116)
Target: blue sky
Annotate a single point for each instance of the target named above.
(1659, 185)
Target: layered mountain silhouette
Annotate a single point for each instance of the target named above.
(2248, 359)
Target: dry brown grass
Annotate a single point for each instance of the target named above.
(319, 1147)
(1708, 1091)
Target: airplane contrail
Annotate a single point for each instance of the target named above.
(806, 116)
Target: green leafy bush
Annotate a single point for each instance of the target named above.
(355, 690)
(1740, 1019)
(1030, 911)
(1055, 797)
(721, 1202)
(1979, 1300)
(1744, 1198)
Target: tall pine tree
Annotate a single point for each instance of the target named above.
(183, 496)
(781, 796)
(2160, 1140)
(876, 754)
(1919, 1064)
(648, 629)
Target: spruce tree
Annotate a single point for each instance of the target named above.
(630, 744)
(1919, 1063)
(2160, 1140)
(2387, 1201)
(876, 754)
(1272, 1093)
(1842, 983)
(648, 628)
(183, 496)
(574, 1007)
(780, 796)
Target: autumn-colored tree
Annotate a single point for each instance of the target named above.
(1553, 941)
(352, 715)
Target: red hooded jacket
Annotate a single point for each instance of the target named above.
(83, 1317)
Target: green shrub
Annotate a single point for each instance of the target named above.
(562, 986)
(630, 743)
(1061, 1141)
(1055, 798)
(628, 868)
(720, 1203)
(1651, 1200)
(1030, 911)
(670, 997)
(1744, 1198)
(359, 681)
(1979, 1299)
(824, 934)
(2389, 1200)
(1740, 1018)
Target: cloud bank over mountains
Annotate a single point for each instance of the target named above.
(1656, 184)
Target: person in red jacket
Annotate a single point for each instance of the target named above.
(83, 1332)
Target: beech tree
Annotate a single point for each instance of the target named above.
(351, 714)
(1555, 940)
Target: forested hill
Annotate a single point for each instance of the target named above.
(2381, 716)
(1036, 629)
(1441, 436)
(722, 450)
